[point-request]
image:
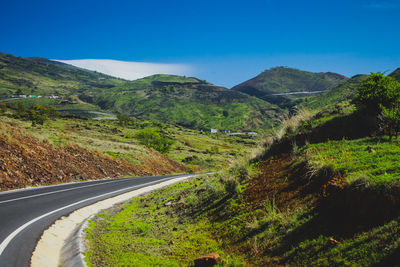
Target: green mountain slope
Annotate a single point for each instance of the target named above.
(340, 93)
(286, 80)
(174, 99)
(277, 85)
(396, 74)
(189, 102)
(45, 77)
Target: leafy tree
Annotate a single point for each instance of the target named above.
(21, 110)
(391, 119)
(154, 139)
(39, 114)
(377, 91)
(3, 108)
(123, 119)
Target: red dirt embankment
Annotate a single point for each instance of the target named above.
(27, 161)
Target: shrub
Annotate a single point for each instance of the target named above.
(231, 186)
(391, 119)
(20, 110)
(39, 114)
(123, 119)
(377, 91)
(3, 108)
(154, 139)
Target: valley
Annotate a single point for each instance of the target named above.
(304, 165)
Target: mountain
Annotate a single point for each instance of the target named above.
(343, 92)
(45, 77)
(276, 85)
(188, 101)
(396, 74)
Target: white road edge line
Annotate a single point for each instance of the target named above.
(53, 192)
(6, 241)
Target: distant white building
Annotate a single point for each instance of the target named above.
(214, 131)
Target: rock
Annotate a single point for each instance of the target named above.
(208, 260)
(333, 241)
(169, 203)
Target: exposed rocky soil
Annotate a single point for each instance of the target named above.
(28, 161)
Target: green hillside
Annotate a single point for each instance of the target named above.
(342, 92)
(282, 80)
(324, 192)
(186, 101)
(39, 76)
(189, 102)
(396, 74)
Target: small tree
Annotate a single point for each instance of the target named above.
(123, 119)
(377, 91)
(380, 95)
(3, 108)
(153, 139)
(21, 110)
(391, 119)
(39, 114)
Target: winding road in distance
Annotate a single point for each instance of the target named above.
(25, 214)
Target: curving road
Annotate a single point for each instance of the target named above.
(25, 214)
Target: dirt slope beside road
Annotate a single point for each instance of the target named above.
(28, 161)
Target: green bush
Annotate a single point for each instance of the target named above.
(376, 91)
(123, 119)
(39, 114)
(3, 108)
(231, 186)
(154, 139)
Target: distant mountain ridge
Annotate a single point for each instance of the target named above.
(396, 74)
(287, 80)
(42, 76)
(187, 101)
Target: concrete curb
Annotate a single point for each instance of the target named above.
(61, 244)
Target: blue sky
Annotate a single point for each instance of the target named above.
(224, 42)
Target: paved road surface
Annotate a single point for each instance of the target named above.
(25, 214)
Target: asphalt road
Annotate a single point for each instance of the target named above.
(25, 214)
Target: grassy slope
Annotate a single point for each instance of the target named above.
(324, 203)
(285, 80)
(160, 232)
(198, 105)
(396, 74)
(43, 77)
(168, 98)
(343, 92)
(198, 151)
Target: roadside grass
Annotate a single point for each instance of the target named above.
(373, 159)
(379, 246)
(157, 230)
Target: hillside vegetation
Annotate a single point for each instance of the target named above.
(39, 76)
(396, 74)
(186, 101)
(276, 85)
(189, 102)
(55, 149)
(323, 192)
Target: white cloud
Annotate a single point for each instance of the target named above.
(130, 70)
